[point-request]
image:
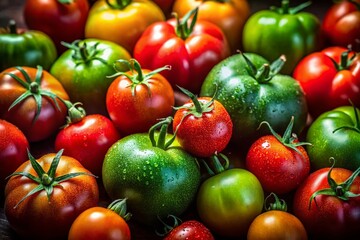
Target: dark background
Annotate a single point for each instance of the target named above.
(12, 9)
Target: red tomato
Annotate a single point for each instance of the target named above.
(333, 213)
(13, 146)
(191, 229)
(31, 99)
(59, 189)
(328, 85)
(137, 99)
(341, 24)
(203, 126)
(87, 139)
(100, 223)
(280, 163)
(62, 20)
(190, 49)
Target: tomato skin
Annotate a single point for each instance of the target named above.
(277, 225)
(191, 229)
(25, 47)
(22, 115)
(13, 146)
(215, 127)
(279, 169)
(53, 217)
(99, 223)
(324, 85)
(341, 24)
(134, 113)
(329, 217)
(122, 25)
(228, 202)
(88, 141)
(229, 16)
(61, 21)
(190, 58)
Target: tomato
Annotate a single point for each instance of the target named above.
(252, 91)
(230, 16)
(13, 146)
(191, 48)
(281, 163)
(329, 79)
(328, 203)
(32, 99)
(276, 223)
(62, 20)
(190, 229)
(153, 172)
(44, 196)
(228, 201)
(137, 99)
(87, 138)
(84, 71)
(199, 119)
(102, 223)
(336, 134)
(341, 24)
(283, 30)
(118, 20)
(25, 48)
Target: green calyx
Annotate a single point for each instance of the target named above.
(119, 206)
(167, 228)
(137, 76)
(82, 53)
(345, 61)
(46, 180)
(65, 1)
(219, 163)
(266, 72)
(118, 4)
(278, 204)
(183, 29)
(34, 90)
(161, 141)
(356, 126)
(286, 9)
(289, 139)
(75, 112)
(341, 190)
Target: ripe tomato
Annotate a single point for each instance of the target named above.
(121, 21)
(190, 47)
(13, 146)
(280, 163)
(87, 138)
(47, 194)
(199, 119)
(31, 99)
(137, 99)
(341, 24)
(328, 204)
(101, 223)
(62, 20)
(230, 16)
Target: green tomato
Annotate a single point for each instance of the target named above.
(229, 201)
(155, 180)
(19, 47)
(335, 134)
(251, 95)
(283, 30)
(85, 69)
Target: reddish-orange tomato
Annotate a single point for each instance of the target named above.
(230, 16)
(43, 205)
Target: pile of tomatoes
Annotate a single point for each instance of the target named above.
(180, 119)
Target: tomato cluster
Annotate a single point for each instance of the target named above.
(181, 119)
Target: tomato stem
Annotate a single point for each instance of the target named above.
(161, 141)
(183, 30)
(12, 27)
(119, 4)
(286, 9)
(119, 206)
(65, 1)
(279, 204)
